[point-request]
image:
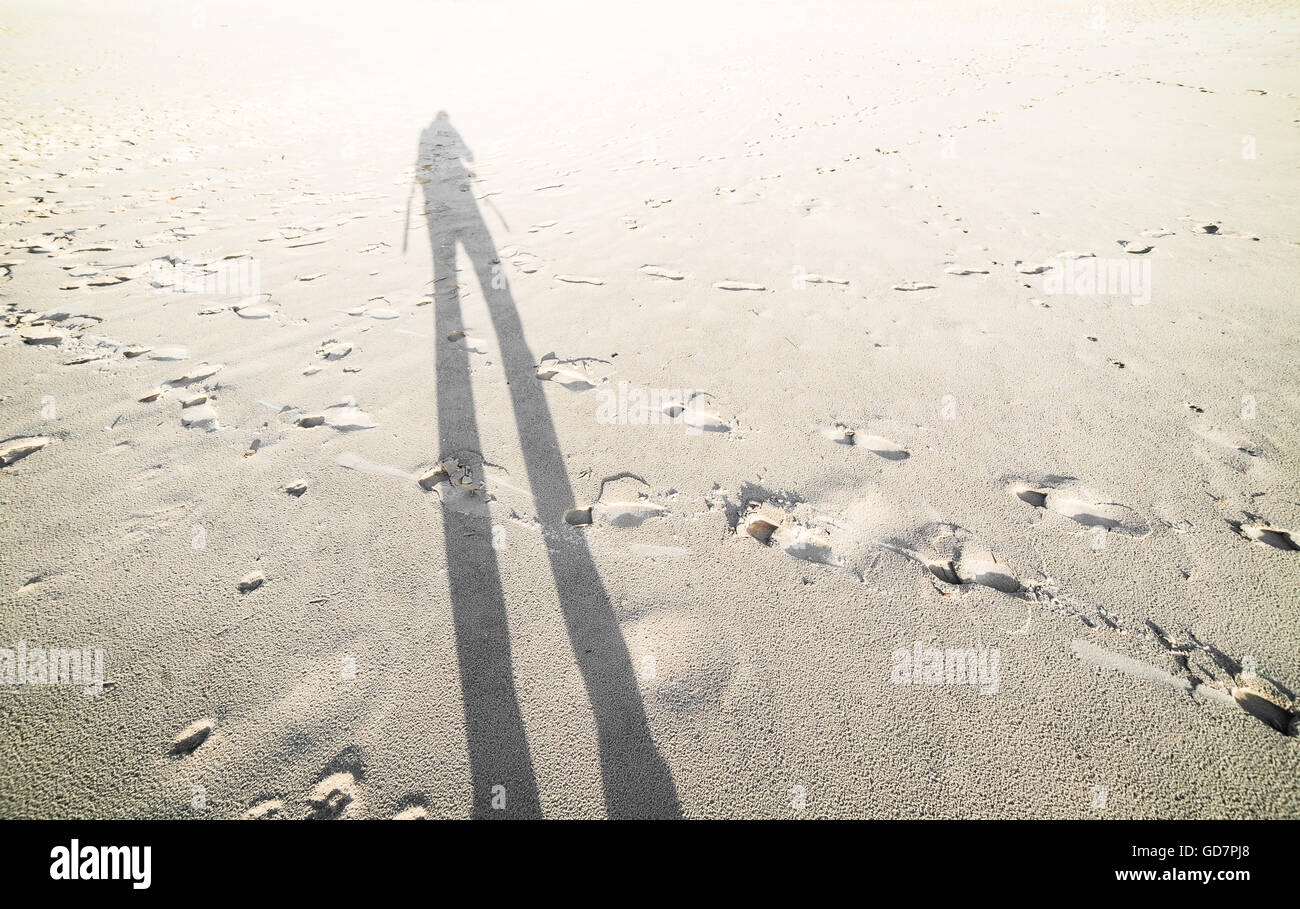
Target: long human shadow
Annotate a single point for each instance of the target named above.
(635, 777)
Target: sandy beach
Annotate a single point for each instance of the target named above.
(734, 410)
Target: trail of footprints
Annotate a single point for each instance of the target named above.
(953, 561)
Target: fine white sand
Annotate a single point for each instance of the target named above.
(611, 443)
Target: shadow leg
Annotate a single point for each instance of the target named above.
(636, 779)
(498, 746)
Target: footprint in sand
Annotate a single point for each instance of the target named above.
(1268, 704)
(658, 271)
(738, 285)
(204, 416)
(14, 450)
(571, 379)
(170, 354)
(337, 793)
(332, 349)
(661, 272)
(1264, 534)
(414, 807)
(1059, 495)
(43, 337)
(822, 279)
(626, 514)
(1033, 268)
(1215, 229)
(914, 285)
(628, 506)
(841, 434)
(1206, 673)
(192, 736)
(771, 526)
(784, 521)
(253, 312)
(333, 796)
(579, 279)
(197, 374)
(1219, 677)
(615, 514)
(578, 517)
(268, 810)
(879, 445)
(695, 417)
(456, 487)
(962, 270)
(347, 417)
(1135, 247)
(942, 550)
(977, 567)
(961, 564)
(983, 569)
(462, 341)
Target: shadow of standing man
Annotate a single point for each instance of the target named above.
(635, 778)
